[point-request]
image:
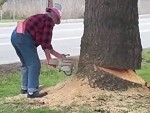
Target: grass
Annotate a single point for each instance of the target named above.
(50, 77)
(144, 72)
(10, 86)
(20, 108)
(9, 20)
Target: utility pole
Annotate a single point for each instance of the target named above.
(1, 14)
(14, 10)
(50, 3)
(1, 11)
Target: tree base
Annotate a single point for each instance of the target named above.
(74, 94)
(99, 78)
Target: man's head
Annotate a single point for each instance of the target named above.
(54, 13)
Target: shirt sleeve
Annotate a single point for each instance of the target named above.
(47, 36)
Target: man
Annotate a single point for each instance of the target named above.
(37, 31)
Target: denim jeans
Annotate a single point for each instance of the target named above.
(27, 52)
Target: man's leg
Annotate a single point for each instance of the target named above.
(24, 70)
(30, 55)
(32, 61)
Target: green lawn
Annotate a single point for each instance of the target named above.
(9, 20)
(20, 108)
(10, 86)
(144, 72)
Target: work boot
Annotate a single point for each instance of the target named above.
(36, 95)
(23, 91)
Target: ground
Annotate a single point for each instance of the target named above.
(74, 94)
(8, 68)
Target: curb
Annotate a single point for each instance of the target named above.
(63, 21)
(144, 16)
(8, 24)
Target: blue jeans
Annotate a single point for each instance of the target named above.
(27, 52)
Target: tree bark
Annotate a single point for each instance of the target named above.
(111, 34)
(111, 39)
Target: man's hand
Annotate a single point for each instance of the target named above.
(53, 63)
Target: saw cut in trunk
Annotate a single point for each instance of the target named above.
(111, 39)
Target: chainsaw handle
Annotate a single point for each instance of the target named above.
(65, 55)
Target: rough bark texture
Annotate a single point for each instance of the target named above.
(111, 39)
(100, 79)
(111, 34)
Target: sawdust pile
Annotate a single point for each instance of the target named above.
(75, 93)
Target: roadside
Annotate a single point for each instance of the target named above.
(72, 95)
(9, 23)
(144, 16)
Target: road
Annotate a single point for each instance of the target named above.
(66, 39)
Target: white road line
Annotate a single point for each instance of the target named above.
(5, 35)
(68, 29)
(144, 15)
(8, 27)
(69, 38)
(148, 23)
(143, 31)
(66, 38)
(56, 30)
(5, 44)
(8, 35)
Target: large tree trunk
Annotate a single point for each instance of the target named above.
(111, 36)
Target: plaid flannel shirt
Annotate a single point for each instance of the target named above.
(40, 27)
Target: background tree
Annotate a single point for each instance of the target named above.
(1, 3)
(111, 39)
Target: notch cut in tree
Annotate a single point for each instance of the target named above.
(111, 38)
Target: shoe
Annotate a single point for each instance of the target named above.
(36, 95)
(23, 91)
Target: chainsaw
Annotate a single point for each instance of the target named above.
(64, 64)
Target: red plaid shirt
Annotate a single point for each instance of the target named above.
(40, 27)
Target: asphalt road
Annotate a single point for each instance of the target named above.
(66, 39)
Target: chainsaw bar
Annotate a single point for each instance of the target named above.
(64, 64)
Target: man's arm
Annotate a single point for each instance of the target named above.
(47, 54)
